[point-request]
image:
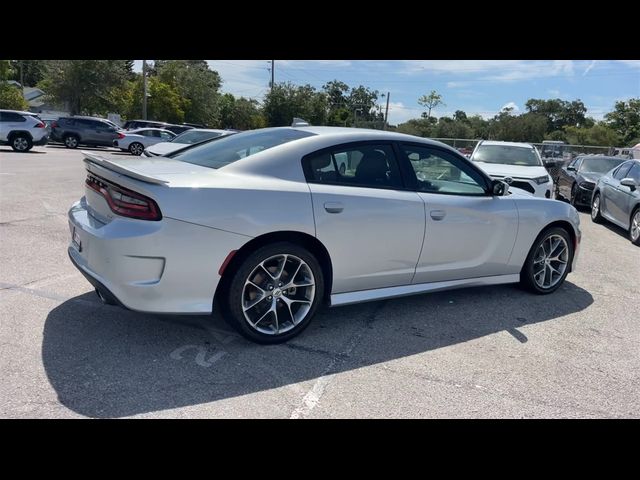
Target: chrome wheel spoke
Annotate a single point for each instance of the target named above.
(274, 280)
(550, 261)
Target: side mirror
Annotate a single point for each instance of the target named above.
(499, 188)
(571, 168)
(629, 182)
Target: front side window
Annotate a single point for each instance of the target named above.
(635, 173)
(621, 172)
(360, 165)
(507, 154)
(438, 171)
(229, 149)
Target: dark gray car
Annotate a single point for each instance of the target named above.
(617, 198)
(74, 131)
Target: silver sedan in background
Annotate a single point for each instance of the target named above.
(616, 198)
(195, 135)
(266, 224)
(135, 141)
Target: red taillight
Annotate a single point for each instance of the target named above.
(54, 124)
(123, 201)
(40, 125)
(120, 136)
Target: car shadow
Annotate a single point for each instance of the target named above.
(10, 150)
(82, 147)
(616, 229)
(107, 362)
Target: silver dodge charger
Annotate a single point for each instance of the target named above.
(268, 224)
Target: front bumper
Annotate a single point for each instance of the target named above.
(167, 266)
(583, 196)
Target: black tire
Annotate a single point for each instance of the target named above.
(596, 216)
(633, 214)
(527, 274)
(232, 297)
(136, 148)
(21, 142)
(71, 141)
(572, 200)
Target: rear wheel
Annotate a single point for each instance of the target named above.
(634, 228)
(274, 293)
(71, 141)
(596, 216)
(548, 262)
(136, 148)
(21, 143)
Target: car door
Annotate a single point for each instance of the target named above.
(469, 233)
(371, 226)
(622, 196)
(615, 195)
(567, 177)
(105, 133)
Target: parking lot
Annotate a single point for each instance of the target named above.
(484, 352)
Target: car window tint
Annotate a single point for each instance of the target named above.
(635, 173)
(438, 171)
(12, 117)
(363, 165)
(166, 136)
(621, 172)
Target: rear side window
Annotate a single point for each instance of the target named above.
(11, 117)
(635, 173)
(225, 150)
(359, 165)
(621, 172)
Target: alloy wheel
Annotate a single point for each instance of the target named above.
(635, 226)
(550, 261)
(595, 207)
(278, 294)
(20, 144)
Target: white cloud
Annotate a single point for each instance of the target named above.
(457, 84)
(511, 105)
(631, 63)
(590, 67)
(398, 113)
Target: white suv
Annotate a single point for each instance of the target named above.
(22, 130)
(518, 164)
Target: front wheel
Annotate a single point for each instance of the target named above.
(548, 262)
(274, 293)
(596, 216)
(634, 228)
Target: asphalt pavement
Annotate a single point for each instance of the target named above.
(490, 352)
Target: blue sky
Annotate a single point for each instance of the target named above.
(481, 87)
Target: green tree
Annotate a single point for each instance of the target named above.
(420, 127)
(598, 134)
(164, 103)
(240, 113)
(197, 84)
(86, 86)
(625, 120)
(10, 96)
(286, 101)
(28, 72)
(339, 112)
(559, 113)
(361, 103)
(430, 101)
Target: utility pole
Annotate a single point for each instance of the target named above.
(22, 75)
(386, 111)
(144, 89)
(273, 73)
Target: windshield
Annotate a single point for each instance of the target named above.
(507, 154)
(228, 149)
(194, 137)
(600, 165)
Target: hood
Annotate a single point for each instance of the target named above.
(590, 176)
(165, 147)
(505, 170)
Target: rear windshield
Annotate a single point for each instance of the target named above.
(506, 154)
(226, 150)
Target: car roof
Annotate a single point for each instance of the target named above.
(216, 130)
(88, 117)
(20, 112)
(357, 133)
(507, 144)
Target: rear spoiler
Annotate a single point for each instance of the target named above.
(129, 172)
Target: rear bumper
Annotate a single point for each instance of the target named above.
(167, 266)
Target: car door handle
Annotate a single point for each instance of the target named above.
(333, 207)
(438, 214)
